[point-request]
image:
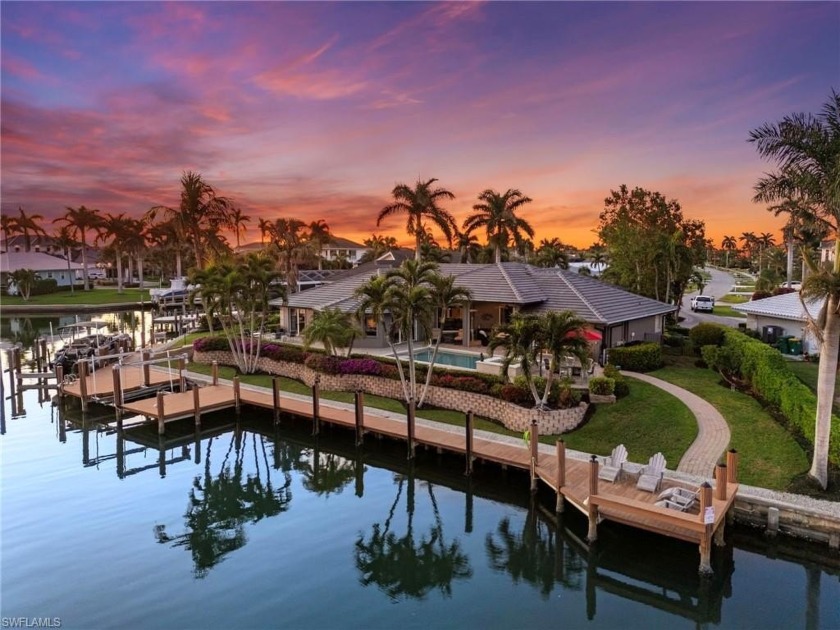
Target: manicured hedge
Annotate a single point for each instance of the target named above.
(706, 334)
(641, 358)
(764, 368)
(602, 385)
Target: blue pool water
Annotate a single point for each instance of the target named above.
(445, 357)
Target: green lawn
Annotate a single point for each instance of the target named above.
(65, 298)
(727, 311)
(733, 298)
(646, 421)
(769, 455)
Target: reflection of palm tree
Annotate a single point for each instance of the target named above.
(328, 473)
(409, 567)
(532, 556)
(219, 507)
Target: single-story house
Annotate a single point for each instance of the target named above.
(44, 265)
(781, 316)
(498, 291)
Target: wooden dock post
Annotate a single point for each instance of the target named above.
(275, 394)
(161, 423)
(592, 535)
(215, 373)
(45, 355)
(535, 452)
(316, 406)
(197, 407)
(721, 482)
(706, 536)
(16, 366)
(410, 425)
(83, 393)
(236, 396)
(182, 377)
(59, 380)
(561, 475)
(732, 466)
(360, 416)
(469, 442)
(118, 402)
(146, 368)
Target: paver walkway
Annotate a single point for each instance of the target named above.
(713, 435)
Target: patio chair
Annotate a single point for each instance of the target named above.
(651, 475)
(680, 499)
(613, 465)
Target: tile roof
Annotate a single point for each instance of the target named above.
(344, 243)
(533, 289)
(786, 306)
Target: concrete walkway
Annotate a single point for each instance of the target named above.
(713, 435)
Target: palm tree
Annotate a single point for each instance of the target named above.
(749, 239)
(81, 220)
(806, 150)
(764, 241)
(552, 253)
(445, 295)
(238, 223)
(29, 224)
(9, 227)
(289, 238)
(319, 235)
(167, 237)
(468, 246)
(563, 333)
(334, 329)
(420, 203)
(729, 243)
(201, 212)
(521, 340)
(136, 246)
(497, 214)
(65, 241)
(264, 228)
(119, 228)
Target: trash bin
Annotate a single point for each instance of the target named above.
(795, 345)
(783, 345)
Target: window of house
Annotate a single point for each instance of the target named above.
(370, 326)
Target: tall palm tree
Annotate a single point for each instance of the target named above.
(468, 246)
(29, 224)
(729, 243)
(521, 340)
(81, 221)
(749, 239)
(420, 203)
(168, 240)
(552, 253)
(238, 222)
(201, 212)
(497, 215)
(806, 150)
(764, 241)
(264, 227)
(118, 228)
(9, 227)
(290, 239)
(66, 242)
(563, 337)
(319, 235)
(136, 246)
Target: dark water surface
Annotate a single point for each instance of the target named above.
(255, 526)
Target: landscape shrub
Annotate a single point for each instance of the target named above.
(783, 290)
(516, 394)
(462, 383)
(640, 358)
(44, 286)
(707, 334)
(622, 387)
(210, 344)
(360, 366)
(602, 385)
(769, 376)
(324, 363)
(280, 352)
(760, 295)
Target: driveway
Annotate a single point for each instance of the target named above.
(719, 285)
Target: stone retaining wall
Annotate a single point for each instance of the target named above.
(778, 517)
(512, 416)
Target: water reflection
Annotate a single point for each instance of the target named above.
(221, 504)
(410, 566)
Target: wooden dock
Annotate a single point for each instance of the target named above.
(574, 481)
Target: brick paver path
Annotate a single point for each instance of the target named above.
(713, 435)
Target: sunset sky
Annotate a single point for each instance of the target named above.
(316, 110)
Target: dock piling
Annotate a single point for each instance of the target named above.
(410, 426)
(146, 368)
(275, 393)
(117, 377)
(16, 366)
(197, 407)
(732, 466)
(360, 416)
(469, 442)
(182, 376)
(215, 373)
(83, 393)
(59, 380)
(592, 535)
(561, 475)
(161, 423)
(236, 397)
(706, 537)
(316, 406)
(535, 452)
(721, 482)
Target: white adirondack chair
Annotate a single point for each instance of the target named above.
(613, 465)
(651, 475)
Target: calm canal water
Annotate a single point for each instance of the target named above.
(249, 525)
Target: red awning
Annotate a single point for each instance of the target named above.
(589, 334)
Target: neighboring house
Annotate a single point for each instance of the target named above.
(499, 291)
(339, 248)
(595, 270)
(44, 265)
(783, 315)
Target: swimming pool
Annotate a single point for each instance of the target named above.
(447, 357)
